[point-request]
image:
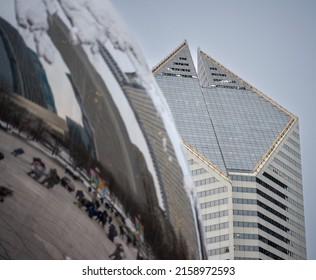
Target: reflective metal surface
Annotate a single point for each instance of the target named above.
(85, 129)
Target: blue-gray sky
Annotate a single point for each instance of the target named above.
(270, 44)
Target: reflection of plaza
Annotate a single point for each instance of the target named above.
(41, 223)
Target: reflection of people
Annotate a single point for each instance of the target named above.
(52, 179)
(4, 191)
(119, 253)
(38, 168)
(112, 232)
(17, 152)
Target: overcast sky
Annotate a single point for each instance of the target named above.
(270, 44)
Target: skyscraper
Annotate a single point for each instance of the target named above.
(244, 154)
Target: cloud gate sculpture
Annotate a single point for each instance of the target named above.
(86, 135)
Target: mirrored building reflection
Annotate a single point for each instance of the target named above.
(87, 141)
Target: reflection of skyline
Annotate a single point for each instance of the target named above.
(21, 69)
(158, 143)
(124, 159)
(86, 133)
(124, 126)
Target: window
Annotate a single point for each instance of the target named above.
(205, 181)
(212, 191)
(218, 74)
(181, 63)
(217, 239)
(215, 215)
(198, 171)
(216, 227)
(218, 251)
(180, 69)
(214, 203)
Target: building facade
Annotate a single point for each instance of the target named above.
(243, 151)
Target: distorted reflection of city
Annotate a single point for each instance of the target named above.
(89, 157)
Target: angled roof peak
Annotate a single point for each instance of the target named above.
(213, 74)
(169, 56)
(178, 63)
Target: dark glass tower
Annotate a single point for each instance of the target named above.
(21, 70)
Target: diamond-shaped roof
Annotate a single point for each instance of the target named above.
(246, 122)
(227, 120)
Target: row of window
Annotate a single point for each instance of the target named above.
(271, 210)
(287, 178)
(259, 203)
(273, 233)
(271, 199)
(218, 251)
(289, 159)
(271, 178)
(219, 74)
(262, 239)
(231, 87)
(297, 236)
(177, 75)
(214, 203)
(263, 228)
(198, 171)
(247, 248)
(213, 68)
(296, 135)
(243, 178)
(181, 63)
(216, 227)
(215, 215)
(275, 245)
(295, 144)
(205, 181)
(260, 215)
(298, 247)
(297, 225)
(288, 168)
(182, 58)
(271, 221)
(212, 191)
(180, 69)
(295, 214)
(270, 188)
(296, 204)
(224, 81)
(244, 189)
(217, 239)
(291, 151)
